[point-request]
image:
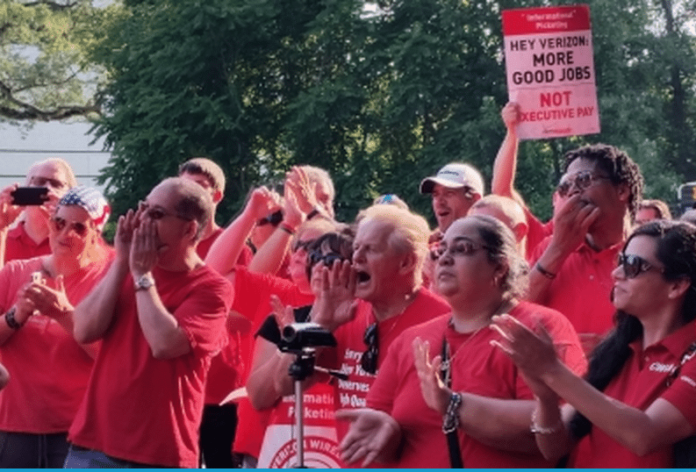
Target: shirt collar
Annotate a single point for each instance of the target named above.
(676, 343)
(610, 251)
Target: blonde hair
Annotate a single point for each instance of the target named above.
(660, 208)
(410, 232)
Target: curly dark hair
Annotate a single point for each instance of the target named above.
(620, 169)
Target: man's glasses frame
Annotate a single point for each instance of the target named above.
(157, 213)
(582, 180)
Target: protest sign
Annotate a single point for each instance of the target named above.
(550, 70)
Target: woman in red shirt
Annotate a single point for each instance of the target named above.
(637, 407)
(448, 367)
(49, 368)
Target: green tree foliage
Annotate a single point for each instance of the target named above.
(381, 95)
(44, 71)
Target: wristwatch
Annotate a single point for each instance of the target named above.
(144, 282)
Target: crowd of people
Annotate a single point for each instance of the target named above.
(494, 340)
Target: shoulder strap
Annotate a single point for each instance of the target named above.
(685, 450)
(688, 355)
(455, 453)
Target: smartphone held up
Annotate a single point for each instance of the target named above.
(26, 196)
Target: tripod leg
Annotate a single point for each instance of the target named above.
(299, 420)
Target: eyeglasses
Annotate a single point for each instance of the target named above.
(59, 225)
(157, 213)
(633, 265)
(304, 245)
(582, 181)
(47, 182)
(315, 257)
(273, 219)
(461, 247)
(368, 360)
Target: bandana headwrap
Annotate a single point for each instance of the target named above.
(92, 201)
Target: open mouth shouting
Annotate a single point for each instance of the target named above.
(362, 281)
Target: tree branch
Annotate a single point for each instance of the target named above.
(27, 111)
(52, 5)
(60, 113)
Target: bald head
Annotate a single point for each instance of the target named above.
(54, 173)
(505, 210)
(189, 200)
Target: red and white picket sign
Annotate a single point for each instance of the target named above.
(550, 70)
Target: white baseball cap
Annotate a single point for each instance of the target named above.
(455, 175)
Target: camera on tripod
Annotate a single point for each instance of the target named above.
(301, 337)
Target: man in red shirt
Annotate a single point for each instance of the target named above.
(454, 189)
(160, 313)
(367, 305)
(219, 421)
(29, 238)
(572, 268)
(210, 176)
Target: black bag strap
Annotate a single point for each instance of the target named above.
(455, 453)
(684, 451)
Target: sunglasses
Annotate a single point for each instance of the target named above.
(384, 199)
(273, 219)
(368, 360)
(633, 265)
(157, 213)
(304, 245)
(315, 257)
(582, 180)
(59, 224)
(461, 247)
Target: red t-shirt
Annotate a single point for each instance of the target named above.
(253, 302)
(20, 246)
(582, 287)
(643, 380)
(352, 393)
(477, 368)
(148, 410)
(536, 232)
(204, 245)
(49, 369)
(225, 373)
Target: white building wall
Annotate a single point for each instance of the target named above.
(19, 149)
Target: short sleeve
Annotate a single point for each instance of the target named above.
(269, 330)
(682, 393)
(202, 316)
(536, 231)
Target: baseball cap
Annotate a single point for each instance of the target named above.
(91, 200)
(455, 175)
